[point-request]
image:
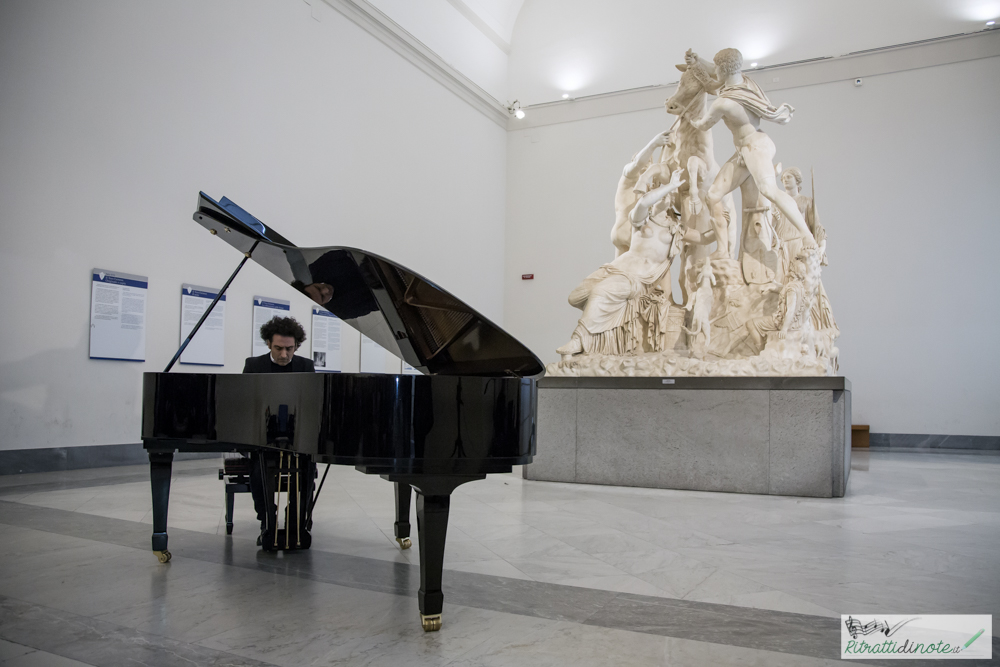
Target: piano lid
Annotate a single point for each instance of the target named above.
(403, 312)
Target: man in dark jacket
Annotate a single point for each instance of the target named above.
(283, 336)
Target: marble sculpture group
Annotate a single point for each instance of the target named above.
(752, 305)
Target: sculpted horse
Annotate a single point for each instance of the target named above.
(694, 151)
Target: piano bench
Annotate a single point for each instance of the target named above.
(235, 483)
(235, 466)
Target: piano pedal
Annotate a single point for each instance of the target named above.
(269, 543)
(162, 556)
(404, 542)
(271, 540)
(431, 622)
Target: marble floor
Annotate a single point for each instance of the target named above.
(537, 573)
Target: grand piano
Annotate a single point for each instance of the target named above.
(470, 413)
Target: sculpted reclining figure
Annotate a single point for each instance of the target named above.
(610, 297)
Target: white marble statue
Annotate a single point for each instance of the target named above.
(763, 253)
(756, 304)
(616, 296)
(791, 179)
(741, 105)
(694, 151)
(700, 305)
(627, 195)
(794, 311)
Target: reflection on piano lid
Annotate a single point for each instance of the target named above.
(427, 327)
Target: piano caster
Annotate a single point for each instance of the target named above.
(431, 622)
(405, 543)
(162, 556)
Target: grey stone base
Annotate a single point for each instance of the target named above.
(777, 436)
(16, 461)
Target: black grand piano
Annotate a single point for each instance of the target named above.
(470, 413)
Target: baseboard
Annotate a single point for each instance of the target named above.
(918, 441)
(17, 461)
(988, 453)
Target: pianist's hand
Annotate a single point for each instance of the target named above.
(319, 292)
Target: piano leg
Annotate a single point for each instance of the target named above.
(432, 525)
(160, 464)
(433, 501)
(230, 506)
(402, 525)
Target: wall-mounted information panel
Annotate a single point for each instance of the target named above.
(207, 348)
(326, 341)
(118, 315)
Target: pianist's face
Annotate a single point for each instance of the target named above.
(282, 348)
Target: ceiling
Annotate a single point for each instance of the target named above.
(586, 47)
(536, 51)
(500, 15)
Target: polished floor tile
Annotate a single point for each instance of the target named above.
(536, 573)
(10, 650)
(42, 659)
(757, 550)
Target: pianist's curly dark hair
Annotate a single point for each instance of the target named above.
(283, 326)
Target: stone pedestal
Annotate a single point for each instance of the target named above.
(787, 436)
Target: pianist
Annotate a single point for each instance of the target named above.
(283, 336)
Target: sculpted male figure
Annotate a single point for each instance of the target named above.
(740, 105)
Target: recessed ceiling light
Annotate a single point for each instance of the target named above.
(990, 22)
(753, 64)
(565, 96)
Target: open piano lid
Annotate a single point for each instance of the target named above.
(403, 312)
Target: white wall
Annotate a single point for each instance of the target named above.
(906, 170)
(114, 114)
